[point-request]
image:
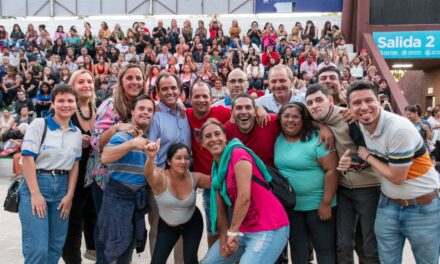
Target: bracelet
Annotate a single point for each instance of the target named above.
(366, 159)
(234, 234)
(117, 126)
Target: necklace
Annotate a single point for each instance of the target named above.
(82, 115)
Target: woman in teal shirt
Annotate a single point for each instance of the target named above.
(311, 170)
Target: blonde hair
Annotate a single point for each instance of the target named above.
(121, 104)
(74, 76)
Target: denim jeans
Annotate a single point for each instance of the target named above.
(206, 207)
(43, 238)
(167, 236)
(420, 224)
(306, 225)
(260, 247)
(356, 205)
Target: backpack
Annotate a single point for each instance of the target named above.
(280, 187)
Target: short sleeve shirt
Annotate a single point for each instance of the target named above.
(265, 211)
(60, 148)
(298, 162)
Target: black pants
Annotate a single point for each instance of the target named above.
(40, 108)
(306, 226)
(82, 218)
(167, 237)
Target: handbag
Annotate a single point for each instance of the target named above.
(280, 187)
(13, 197)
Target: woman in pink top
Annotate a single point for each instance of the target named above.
(258, 229)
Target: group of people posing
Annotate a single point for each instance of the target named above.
(357, 171)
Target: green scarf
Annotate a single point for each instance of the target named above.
(219, 172)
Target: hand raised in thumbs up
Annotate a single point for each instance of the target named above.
(152, 148)
(344, 161)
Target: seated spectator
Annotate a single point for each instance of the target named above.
(326, 62)
(22, 101)
(323, 48)
(60, 34)
(159, 32)
(15, 132)
(268, 54)
(199, 54)
(346, 75)
(247, 44)
(282, 46)
(214, 25)
(11, 83)
(310, 67)
(340, 54)
(294, 39)
(6, 121)
(187, 79)
(70, 64)
(306, 49)
(43, 103)
(326, 31)
(254, 34)
(357, 68)
(255, 74)
(365, 58)
(219, 91)
(104, 91)
(372, 75)
(122, 46)
(208, 75)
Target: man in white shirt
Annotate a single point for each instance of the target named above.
(281, 86)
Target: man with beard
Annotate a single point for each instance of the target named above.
(200, 97)
(331, 78)
(358, 191)
(125, 157)
(280, 85)
(409, 204)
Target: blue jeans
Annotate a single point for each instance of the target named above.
(420, 224)
(43, 238)
(253, 248)
(356, 205)
(207, 206)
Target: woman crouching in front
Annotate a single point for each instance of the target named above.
(259, 227)
(50, 169)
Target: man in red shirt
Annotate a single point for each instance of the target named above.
(260, 139)
(202, 110)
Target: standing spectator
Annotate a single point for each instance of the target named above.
(171, 127)
(83, 214)
(414, 113)
(240, 234)
(214, 25)
(409, 204)
(112, 116)
(300, 159)
(176, 201)
(125, 199)
(49, 179)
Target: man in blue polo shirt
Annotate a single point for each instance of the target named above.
(121, 219)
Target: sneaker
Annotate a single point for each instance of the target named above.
(90, 255)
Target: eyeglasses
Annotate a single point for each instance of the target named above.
(239, 81)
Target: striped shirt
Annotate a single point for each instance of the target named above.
(130, 168)
(398, 143)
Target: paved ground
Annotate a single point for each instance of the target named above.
(10, 238)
